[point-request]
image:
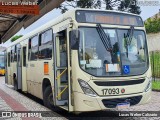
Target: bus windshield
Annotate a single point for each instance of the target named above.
(123, 59)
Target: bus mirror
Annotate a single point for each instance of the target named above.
(74, 39)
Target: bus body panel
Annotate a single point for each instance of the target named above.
(34, 76)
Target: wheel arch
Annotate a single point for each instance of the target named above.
(14, 75)
(45, 83)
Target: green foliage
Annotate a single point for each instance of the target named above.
(79, 3)
(110, 4)
(156, 85)
(155, 59)
(152, 25)
(130, 6)
(16, 37)
(122, 5)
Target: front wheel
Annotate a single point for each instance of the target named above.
(48, 98)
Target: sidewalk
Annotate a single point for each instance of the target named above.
(11, 100)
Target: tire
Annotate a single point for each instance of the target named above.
(48, 98)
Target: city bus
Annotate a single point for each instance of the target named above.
(2, 66)
(84, 60)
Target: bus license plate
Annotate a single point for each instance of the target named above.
(121, 106)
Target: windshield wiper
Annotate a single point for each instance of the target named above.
(104, 38)
(130, 35)
(128, 38)
(106, 41)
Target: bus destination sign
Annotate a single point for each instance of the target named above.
(111, 18)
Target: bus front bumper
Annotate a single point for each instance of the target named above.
(84, 102)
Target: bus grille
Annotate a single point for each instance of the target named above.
(112, 103)
(119, 83)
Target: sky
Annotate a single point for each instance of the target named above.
(146, 12)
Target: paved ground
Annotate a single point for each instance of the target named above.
(11, 100)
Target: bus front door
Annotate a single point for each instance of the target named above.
(60, 70)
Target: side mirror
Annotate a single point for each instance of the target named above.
(74, 39)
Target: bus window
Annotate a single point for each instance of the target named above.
(45, 46)
(18, 54)
(12, 54)
(29, 49)
(9, 59)
(62, 51)
(15, 53)
(34, 48)
(24, 56)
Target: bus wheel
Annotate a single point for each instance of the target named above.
(48, 98)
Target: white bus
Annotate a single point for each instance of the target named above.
(84, 60)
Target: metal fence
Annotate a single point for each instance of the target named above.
(155, 64)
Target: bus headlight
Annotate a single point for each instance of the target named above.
(86, 88)
(149, 84)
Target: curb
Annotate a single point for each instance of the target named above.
(155, 90)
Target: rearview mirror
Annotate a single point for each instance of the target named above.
(74, 39)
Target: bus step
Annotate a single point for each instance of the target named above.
(61, 102)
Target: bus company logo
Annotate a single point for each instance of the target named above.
(123, 90)
(20, 7)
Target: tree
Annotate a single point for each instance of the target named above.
(79, 3)
(122, 5)
(16, 37)
(111, 4)
(129, 6)
(152, 25)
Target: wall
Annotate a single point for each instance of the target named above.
(153, 41)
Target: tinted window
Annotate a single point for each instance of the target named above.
(45, 46)
(29, 49)
(9, 59)
(15, 53)
(34, 48)
(18, 52)
(24, 56)
(12, 53)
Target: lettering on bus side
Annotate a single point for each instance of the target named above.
(32, 65)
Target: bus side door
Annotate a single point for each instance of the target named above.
(61, 69)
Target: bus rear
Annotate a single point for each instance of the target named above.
(110, 61)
